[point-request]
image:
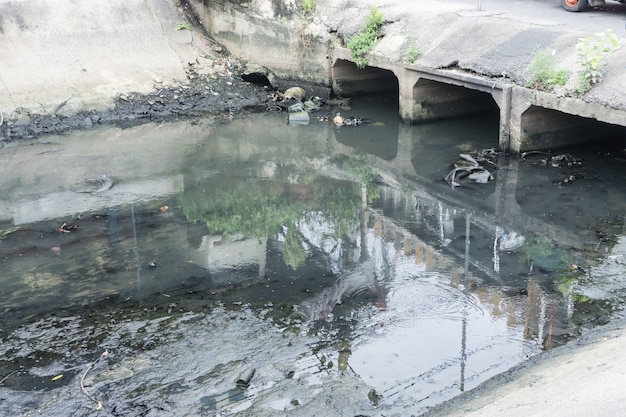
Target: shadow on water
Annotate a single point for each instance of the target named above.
(252, 267)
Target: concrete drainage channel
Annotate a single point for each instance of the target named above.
(164, 72)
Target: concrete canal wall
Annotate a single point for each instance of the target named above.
(63, 57)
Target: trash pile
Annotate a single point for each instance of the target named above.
(295, 101)
(479, 169)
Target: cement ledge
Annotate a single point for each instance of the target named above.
(581, 379)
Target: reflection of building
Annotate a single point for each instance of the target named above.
(69, 203)
(498, 277)
(217, 254)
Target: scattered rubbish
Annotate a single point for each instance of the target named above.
(244, 378)
(295, 102)
(339, 120)
(295, 108)
(67, 228)
(294, 93)
(567, 180)
(511, 241)
(469, 167)
(557, 161)
(5, 233)
(299, 117)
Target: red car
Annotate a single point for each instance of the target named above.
(580, 5)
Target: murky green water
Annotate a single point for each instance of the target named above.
(334, 261)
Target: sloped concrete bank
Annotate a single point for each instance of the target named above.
(582, 378)
(75, 64)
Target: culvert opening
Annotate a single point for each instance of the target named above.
(373, 98)
(352, 81)
(544, 129)
(257, 79)
(434, 100)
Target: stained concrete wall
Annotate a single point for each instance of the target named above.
(67, 55)
(272, 36)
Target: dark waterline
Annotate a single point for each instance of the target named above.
(326, 258)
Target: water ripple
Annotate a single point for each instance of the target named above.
(429, 297)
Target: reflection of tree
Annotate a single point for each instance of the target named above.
(294, 253)
(359, 166)
(254, 210)
(544, 255)
(258, 207)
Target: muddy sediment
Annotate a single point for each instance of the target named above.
(201, 96)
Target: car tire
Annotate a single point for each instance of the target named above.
(574, 5)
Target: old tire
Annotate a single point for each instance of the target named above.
(574, 5)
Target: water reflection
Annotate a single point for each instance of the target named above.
(325, 258)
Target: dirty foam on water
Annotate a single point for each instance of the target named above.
(249, 267)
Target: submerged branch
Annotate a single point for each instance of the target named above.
(82, 379)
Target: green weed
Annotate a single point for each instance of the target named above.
(184, 26)
(363, 42)
(543, 72)
(592, 52)
(412, 54)
(309, 5)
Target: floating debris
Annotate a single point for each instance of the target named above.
(339, 120)
(299, 117)
(67, 228)
(469, 167)
(556, 161)
(244, 378)
(567, 180)
(94, 185)
(5, 233)
(511, 241)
